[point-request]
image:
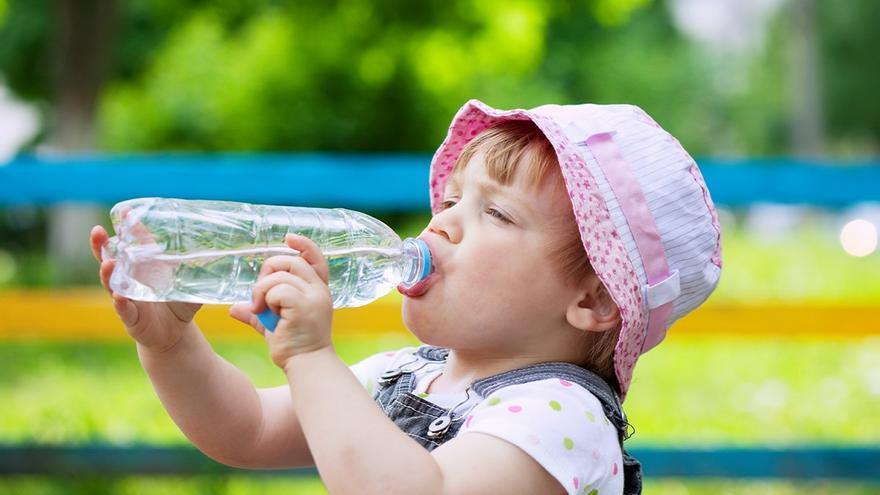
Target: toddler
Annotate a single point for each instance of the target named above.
(565, 241)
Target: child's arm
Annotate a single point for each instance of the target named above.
(357, 449)
(220, 411)
(213, 403)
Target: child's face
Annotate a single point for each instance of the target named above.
(495, 288)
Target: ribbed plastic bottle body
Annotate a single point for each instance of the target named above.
(212, 251)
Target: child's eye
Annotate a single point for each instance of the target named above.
(497, 214)
(492, 212)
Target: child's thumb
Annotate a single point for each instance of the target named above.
(126, 310)
(242, 313)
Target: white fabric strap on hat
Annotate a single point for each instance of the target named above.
(662, 285)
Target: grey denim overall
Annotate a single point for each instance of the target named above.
(432, 425)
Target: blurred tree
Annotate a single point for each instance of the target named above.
(849, 39)
(814, 80)
(81, 50)
(25, 37)
(806, 107)
(362, 75)
(59, 51)
(82, 41)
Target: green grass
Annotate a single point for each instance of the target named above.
(249, 485)
(172, 485)
(87, 392)
(809, 265)
(740, 391)
(686, 392)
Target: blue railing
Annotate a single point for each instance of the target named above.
(377, 182)
(795, 463)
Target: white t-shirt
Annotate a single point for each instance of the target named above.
(560, 424)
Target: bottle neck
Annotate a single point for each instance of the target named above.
(417, 261)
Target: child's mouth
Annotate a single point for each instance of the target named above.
(419, 288)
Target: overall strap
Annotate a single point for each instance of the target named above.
(632, 468)
(405, 370)
(565, 371)
(433, 353)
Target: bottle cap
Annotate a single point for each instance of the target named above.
(427, 262)
(269, 319)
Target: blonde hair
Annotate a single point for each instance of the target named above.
(519, 146)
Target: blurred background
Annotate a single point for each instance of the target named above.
(777, 100)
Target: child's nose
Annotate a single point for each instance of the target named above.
(442, 225)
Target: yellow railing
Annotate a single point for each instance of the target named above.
(84, 314)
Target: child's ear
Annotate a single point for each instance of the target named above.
(592, 309)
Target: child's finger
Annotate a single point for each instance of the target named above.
(142, 233)
(138, 229)
(97, 238)
(242, 313)
(278, 263)
(310, 252)
(280, 293)
(106, 271)
(265, 284)
(296, 265)
(126, 310)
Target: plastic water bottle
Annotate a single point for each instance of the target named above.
(212, 251)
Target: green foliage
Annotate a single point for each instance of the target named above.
(616, 12)
(369, 77)
(387, 76)
(25, 35)
(362, 77)
(851, 73)
(756, 106)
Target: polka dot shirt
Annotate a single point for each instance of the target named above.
(558, 423)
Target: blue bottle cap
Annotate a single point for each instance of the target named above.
(269, 319)
(427, 262)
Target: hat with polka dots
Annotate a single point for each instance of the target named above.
(648, 224)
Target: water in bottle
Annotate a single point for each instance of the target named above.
(212, 251)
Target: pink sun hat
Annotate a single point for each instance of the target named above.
(648, 224)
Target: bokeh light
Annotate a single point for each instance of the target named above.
(859, 238)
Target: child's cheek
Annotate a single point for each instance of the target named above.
(491, 268)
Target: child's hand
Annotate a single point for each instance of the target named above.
(295, 288)
(157, 326)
